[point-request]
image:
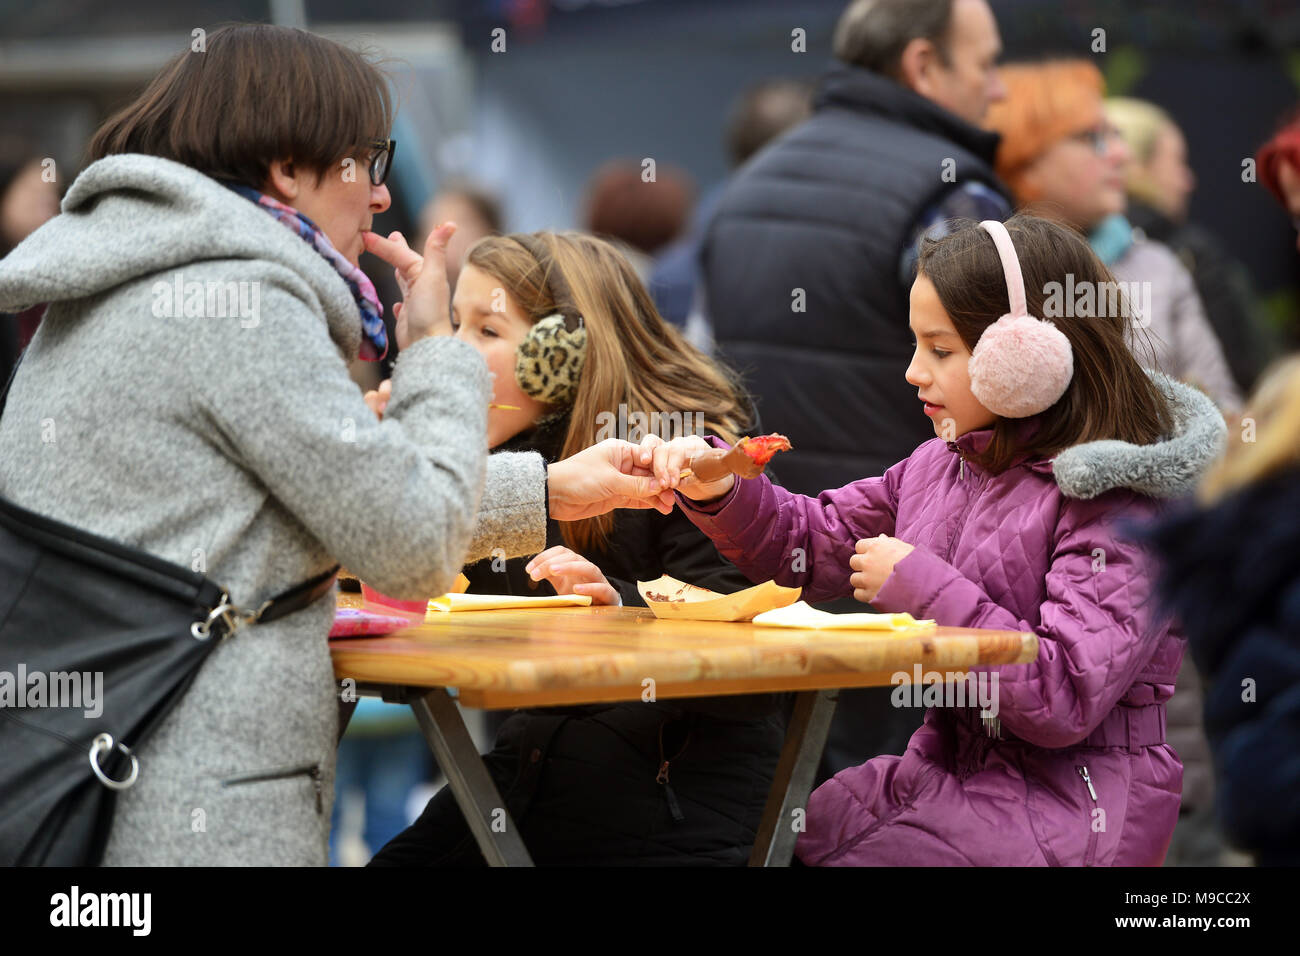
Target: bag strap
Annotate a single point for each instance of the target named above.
(298, 597)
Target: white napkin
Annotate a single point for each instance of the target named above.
(801, 614)
(497, 602)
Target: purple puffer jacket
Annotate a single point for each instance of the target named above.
(1035, 548)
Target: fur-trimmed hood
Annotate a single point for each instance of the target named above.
(1170, 468)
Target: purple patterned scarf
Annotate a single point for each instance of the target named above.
(374, 337)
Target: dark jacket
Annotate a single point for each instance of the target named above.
(643, 546)
(820, 218)
(1232, 573)
(1224, 287)
(581, 782)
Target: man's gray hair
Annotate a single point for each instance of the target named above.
(872, 34)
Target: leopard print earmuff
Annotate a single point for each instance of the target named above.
(549, 361)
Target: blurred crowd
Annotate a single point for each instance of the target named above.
(795, 271)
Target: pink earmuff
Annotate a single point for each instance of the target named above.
(1021, 365)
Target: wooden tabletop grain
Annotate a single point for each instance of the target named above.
(551, 656)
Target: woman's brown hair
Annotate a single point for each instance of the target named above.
(1110, 395)
(254, 94)
(634, 357)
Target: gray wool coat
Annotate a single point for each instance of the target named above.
(234, 442)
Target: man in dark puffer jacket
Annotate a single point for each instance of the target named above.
(809, 260)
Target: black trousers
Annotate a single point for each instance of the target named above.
(585, 790)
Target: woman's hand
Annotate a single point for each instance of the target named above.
(672, 457)
(612, 474)
(377, 398)
(425, 309)
(874, 563)
(571, 573)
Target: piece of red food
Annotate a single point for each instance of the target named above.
(762, 448)
(746, 459)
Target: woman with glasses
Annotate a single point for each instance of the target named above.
(1065, 161)
(187, 394)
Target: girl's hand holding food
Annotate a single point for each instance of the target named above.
(667, 461)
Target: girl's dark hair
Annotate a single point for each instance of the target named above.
(1110, 395)
(255, 94)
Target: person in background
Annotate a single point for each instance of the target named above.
(1242, 540)
(761, 114)
(807, 263)
(382, 760)
(1278, 162)
(28, 199)
(476, 213)
(1230, 573)
(641, 216)
(1063, 159)
(1160, 184)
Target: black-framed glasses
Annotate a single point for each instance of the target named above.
(382, 161)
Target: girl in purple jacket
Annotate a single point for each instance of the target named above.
(1051, 436)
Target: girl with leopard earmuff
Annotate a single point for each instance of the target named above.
(574, 341)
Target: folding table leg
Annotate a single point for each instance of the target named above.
(804, 740)
(475, 793)
(346, 709)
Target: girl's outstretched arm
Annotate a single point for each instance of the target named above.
(771, 533)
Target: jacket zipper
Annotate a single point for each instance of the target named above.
(312, 770)
(661, 778)
(992, 725)
(961, 523)
(1091, 852)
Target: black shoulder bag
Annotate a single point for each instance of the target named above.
(74, 605)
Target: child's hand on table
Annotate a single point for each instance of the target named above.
(571, 573)
(667, 460)
(874, 563)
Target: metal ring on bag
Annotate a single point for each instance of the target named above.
(201, 632)
(104, 742)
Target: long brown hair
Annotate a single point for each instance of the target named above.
(255, 93)
(634, 357)
(1110, 395)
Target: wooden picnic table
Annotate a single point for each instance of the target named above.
(543, 657)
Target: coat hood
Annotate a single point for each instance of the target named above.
(1169, 468)
(132, 216)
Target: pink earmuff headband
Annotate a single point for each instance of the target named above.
(1021, 365)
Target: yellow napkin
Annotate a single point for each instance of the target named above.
(800, 614)
(497, 602)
